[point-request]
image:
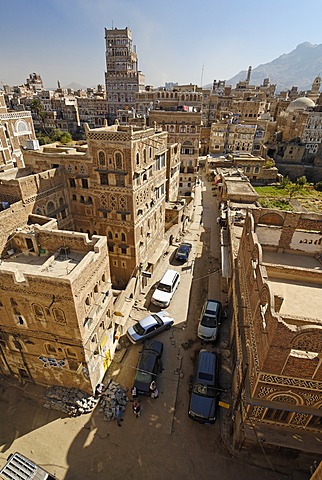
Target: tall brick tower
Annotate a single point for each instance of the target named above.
(122, 77)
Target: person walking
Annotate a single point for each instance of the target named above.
(134, 393)
(136, 407)
(154, 392)
(118, 415)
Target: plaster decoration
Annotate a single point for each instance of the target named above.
(285, 398)
(308, 341)
(292, 382)
(122, 202)
(265, 391)
(113, 201)
(299, 419)
(312, 399)
(82, 169)
(21, 127)
(257, 412)
(70, 168)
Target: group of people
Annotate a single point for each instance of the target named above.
(136, 407)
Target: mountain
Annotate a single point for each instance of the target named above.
(297, 68)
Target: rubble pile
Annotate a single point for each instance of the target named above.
(113, 396)
(69, 400)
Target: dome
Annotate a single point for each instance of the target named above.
(301, 103)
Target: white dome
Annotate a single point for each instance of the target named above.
(301, 103)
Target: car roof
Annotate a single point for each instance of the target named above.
(185, 246)
(212, 307)
(148, 321)
(153, 345)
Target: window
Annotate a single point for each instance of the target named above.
(84, 183)
(109, 235)
(72, 182)
(123, 239)
(280, 416)
(123, 250)
(118, 161)
(50, 348)
(59, 316)
(50, 207)
(104, 178)
(74, 197)
(105, 215)
(120, 180)
(315, 422)
(101, 158)
(90, 201)
(82, 199)
(123, 217)
(111, 248)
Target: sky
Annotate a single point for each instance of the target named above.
(182, 41)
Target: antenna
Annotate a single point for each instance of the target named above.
(112, 25)
(201, 76)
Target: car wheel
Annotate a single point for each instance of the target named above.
(168, 327)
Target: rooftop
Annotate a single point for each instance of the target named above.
(59, 264)
(302, 297)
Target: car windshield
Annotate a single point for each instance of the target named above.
(138, 329)
(144, 377)
(164, 288)
(210, 322)
(204, 390)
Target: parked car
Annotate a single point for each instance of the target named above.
(204, 389)
(150, 326)
(183, 252)
(149, 365)
(166, 288)
(210, 320)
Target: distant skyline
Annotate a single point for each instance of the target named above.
(176, 41)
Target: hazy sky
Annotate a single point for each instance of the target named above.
(182, 41)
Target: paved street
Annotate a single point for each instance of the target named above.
(163, 443)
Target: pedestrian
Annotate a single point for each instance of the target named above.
(118, 416)
(136, 407)
(134, 393)
(99, 390)
(154, 392)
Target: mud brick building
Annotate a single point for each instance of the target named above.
(277, 329)
(56, 307)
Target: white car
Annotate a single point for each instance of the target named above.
(166, 288)
(149, 326)
(210, 320)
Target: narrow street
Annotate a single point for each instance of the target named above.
(163, 443)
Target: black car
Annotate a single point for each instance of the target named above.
(148, 366)
(205, 389)
(183, 252)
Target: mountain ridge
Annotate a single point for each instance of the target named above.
(297, 68)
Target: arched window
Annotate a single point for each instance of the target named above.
(123, 238)
(59, 316)
(38, 310)
(90, 201)
(118, 161)
(109, 235)
(101, 158)
(138, 158)
(144, 155)
(61, 201)
(50, 207)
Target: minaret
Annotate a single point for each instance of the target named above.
(249, 74)
(122, 77)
